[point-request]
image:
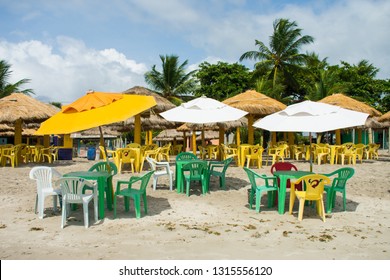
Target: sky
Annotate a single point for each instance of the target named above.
(69, 47)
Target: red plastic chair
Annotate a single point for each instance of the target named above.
(285, 166)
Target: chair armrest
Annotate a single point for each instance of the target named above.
(56, 173)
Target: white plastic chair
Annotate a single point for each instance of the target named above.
(73, 193)
(43, 176)
(160, 169)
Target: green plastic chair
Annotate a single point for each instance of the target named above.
(186, 156)
(270, 186)
(133, 193)
(102, 166)
(195, 171)
(338, 185)
(218, 169)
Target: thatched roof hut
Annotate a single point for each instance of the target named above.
(255, 103)
(150, 119)
(19, 106)
(346, 102)
(258, 105)
(385, 119)
(163, 104)
(172, 134)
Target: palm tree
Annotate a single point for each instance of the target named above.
(7, 88)
(173, 81)
(283, 52)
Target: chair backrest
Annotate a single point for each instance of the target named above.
(152, 162)
(314, 184)
(251, 176)
(43, 176)
(103, 166)
(196, 168)
(128, 155)
(186, 156)
(343, 175)
(283, 166)
(72, 188)
(145, 180)
(226, 164)
(133, 145)
(103, 152)
(257, 150)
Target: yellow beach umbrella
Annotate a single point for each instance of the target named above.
(95, 109)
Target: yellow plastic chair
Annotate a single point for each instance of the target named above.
(163, 154)
(256, 155)
(360, 149)
(372, 151)
(202, 152)
(277, 153)
(314, 184)
(229, 152)
(348, 153)
(11, 155)
(127, 156)
(133, 145)
(322, 154)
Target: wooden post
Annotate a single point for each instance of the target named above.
(238, 137)
(137, 129)
(46, 141)
(338, 137)
(194, 142)
(68, 142)
(359, 135)
(273, 138)
(18, 132)
(251, 134)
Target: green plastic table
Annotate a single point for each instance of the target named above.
(102, 182)
(283, 177)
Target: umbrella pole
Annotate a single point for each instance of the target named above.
(311, 155)
(105, 149)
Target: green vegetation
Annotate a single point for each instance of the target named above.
(7, 88)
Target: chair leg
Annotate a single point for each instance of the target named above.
(145, 203)
(63, 218)
(137, 206)
(344, 201)
(170, 182)
(41, 206)
(321, 208)
(85, 211)
(258, 197)
(114, 206)
(155, 183)
(301, 207)
(55, 203)
(36, 204)
(292, 201)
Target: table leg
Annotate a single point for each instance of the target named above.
(109, 195)
(101, 185)
(282, 194)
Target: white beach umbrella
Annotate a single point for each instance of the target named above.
(308, 116)
(203, 110)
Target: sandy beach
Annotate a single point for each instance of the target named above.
(218, 225)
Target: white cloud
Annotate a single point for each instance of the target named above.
(68, 74)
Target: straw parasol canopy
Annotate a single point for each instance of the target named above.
(255, 103)
(163, 104)
(19, 106)
(258, 105)
(346, 102)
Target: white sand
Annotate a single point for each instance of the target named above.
(216, 226)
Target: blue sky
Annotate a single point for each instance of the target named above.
(69, 47)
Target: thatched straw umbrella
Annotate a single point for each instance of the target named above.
(18, 108)
(346, 102)
(163, 104)
(257, 105)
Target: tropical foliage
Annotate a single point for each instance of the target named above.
(222, 80)
(282, 57)
(7, 88)
(173, 81)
